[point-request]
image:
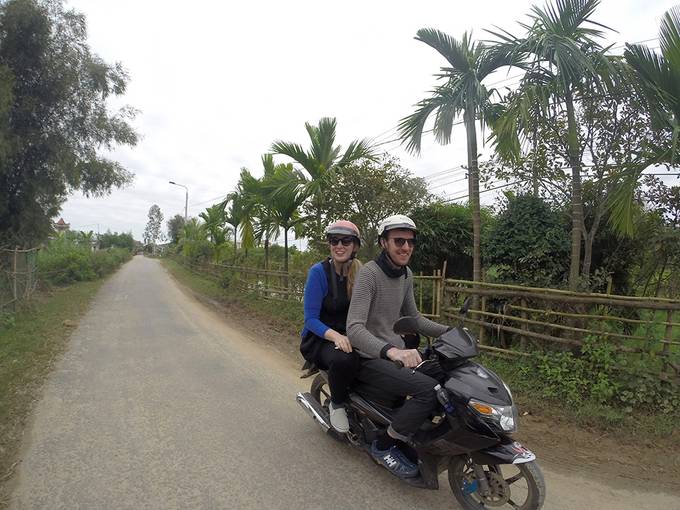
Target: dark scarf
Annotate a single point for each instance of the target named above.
(388, 267)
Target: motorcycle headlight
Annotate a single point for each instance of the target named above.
(504, 416)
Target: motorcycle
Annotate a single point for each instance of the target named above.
(469, 434)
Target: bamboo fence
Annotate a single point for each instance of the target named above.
(514, 320)
(18, 276)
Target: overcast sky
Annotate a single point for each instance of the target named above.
(217, 82)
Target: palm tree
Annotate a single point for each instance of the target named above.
(321, 161)
(565, 62)
(267, 228)
(659, 79)
(286, 198)
(464, 95)
(234, 211)
(247, 190)
(192, 234)
(214, 219)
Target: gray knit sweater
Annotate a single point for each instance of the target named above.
(377, 302)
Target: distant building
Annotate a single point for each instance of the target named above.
(61, 225)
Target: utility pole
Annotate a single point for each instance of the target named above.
(186, 198)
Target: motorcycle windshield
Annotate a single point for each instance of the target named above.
(472, 380)
(457, 343)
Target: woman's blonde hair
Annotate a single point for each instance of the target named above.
(352, 274)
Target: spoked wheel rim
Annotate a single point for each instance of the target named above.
(511, 486)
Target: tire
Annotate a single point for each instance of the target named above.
(320, 390)
(528, 476)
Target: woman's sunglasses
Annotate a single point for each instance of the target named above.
(346, 241)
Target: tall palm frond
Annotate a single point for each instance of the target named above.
(462, 95)
(320, 162)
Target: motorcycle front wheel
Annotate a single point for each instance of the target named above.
(516, 486)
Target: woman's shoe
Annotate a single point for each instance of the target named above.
(338, 418)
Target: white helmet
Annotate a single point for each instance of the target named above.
(394, 222)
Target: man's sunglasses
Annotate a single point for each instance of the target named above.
(346, 241)
(399, 241)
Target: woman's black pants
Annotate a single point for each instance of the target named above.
(342, 368)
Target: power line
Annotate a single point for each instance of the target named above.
(467, 195)
(210, 200)
(447, 183)
(446, 174)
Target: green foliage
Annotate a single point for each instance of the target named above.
(116, 240)
(193, 242)
(54, 118)
(602, 376)
(66, 261)
(7, 320)
(175, 225)
(321, 162)
(367, 191)
(444, 233)
(152, 231)
(528, 243)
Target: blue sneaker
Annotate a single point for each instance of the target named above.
(394, 461)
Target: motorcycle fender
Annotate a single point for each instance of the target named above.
(511, 453)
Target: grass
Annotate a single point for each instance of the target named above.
(30, 342)
(624, 423)
(287, 312)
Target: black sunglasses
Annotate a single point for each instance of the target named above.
(399, 241)
(346, 241)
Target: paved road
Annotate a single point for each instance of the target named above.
(158, 403)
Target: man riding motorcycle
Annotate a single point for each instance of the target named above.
(383, 292)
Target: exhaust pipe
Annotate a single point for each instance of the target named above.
(314, 409)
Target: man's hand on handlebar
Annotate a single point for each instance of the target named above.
(410, 358)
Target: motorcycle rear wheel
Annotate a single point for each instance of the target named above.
(525, 481)
(320, 391)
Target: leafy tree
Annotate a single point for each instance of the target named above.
(321, 162)
(54, 118)
(445, 234)
(463, 94)
(367, 191)
(565, 63)
(116, 240)
(659, 78)
(175, 225)
(662, 254)
(193, 241)
(613, 130)
(152, 231)
(528, 243)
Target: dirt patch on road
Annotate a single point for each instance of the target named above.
(643, 465)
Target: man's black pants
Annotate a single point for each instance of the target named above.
(383, 380)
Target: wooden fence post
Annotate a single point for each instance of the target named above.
(524, 326)
(14, 276)
(668, 336)
(482, 329)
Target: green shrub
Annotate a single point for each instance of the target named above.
(602, 376)
(66, 261)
